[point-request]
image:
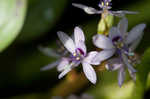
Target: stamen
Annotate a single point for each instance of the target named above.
(102, 3)
(107, 3)
(77, 58)
(74, 54)
(120, 45)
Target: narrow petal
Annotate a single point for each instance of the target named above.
(102, 41)
(49, 52)
(90, 57)
(67, 41)
(132, 74)
(113, 64)
(121, 76)
(63, 63)
(135, 43)
(123, 26)
(114, 32)
(89, 72)
(88, 10)
(135, 33)
(113, 67)
(78, 35)
(103, 55)
(79, 39)
(81, 45)
(50, 66)
(122, 13)
(66, 70)
(125, 60)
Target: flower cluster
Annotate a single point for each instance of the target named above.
(105, 5)
(118, 43)
(78, 55)
(122, 43)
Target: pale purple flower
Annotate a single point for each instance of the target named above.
(105, 5)
(77, 48)
(122, 43)
(55, 53)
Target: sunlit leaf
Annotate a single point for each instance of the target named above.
(12, 14)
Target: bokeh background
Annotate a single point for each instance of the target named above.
(26, 24)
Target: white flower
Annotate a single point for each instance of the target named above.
(122, 43)
(77, 48)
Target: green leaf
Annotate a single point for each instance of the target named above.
(12, 15)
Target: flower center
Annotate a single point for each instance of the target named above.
(121, 46)
(78, 56)
(117, 41)
(105, 4)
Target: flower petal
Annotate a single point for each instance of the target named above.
(49, 52)
(114, 32)
(50, 66)
(125, 60)
(132, 74)
(63, 63)
(103, 55)
(121, 76)
(102, 41)
(89, 72)
(135, 33)
(81, 45)
(135, 43)
(123, 26)
(90, 57)
(113, 64)
(66, 70)
(67, 41)
(88, 10)
(122, 13)
(78, 35)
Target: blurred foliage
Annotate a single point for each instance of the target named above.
(42, 16)
(12, 15)
(142, 75)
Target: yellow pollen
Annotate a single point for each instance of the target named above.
(78, 58)
(102, 3)
(119, 45)
(74, 54)
(107, 3)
